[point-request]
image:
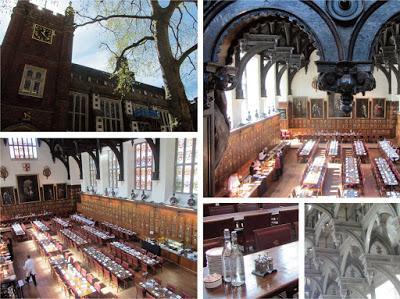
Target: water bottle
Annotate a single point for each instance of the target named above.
(226, 257)
(237, 263)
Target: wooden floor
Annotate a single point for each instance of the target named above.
(47, 287)
(293, 171)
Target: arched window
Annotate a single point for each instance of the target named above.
(186, 166)
(143, 166)
(113, 170)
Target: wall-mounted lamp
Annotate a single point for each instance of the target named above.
(3, 172)
(191, 201)
(46, 172)
(173, 200)
(143, 196)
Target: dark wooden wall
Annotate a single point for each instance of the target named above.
(141, 217)
(57, 207)
(244, 144)
(378, 127)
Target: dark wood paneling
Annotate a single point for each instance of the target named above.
(141, 217)
(244, 144)
(378, 127)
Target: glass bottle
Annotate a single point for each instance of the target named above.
(237, 263)
(226, 257)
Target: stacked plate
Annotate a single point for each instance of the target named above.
(214, 260)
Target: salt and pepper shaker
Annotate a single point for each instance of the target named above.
(263, 263)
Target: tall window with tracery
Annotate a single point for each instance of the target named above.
(92, 172)
(143, 166)
(112, 112)
(22, 148)
(186, 166)
(79, 112)
(113, 170)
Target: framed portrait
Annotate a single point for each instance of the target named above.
(317, 108)
(48, 192)
(299, 107)
(362, 108)
(282, 113)
(7, 196)
(334, 110)
(378, 108)
(61, 191)
(28, 188)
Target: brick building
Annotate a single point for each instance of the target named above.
(42, 90)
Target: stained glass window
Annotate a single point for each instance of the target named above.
(186, 166)
(113, 169)
(22, 148)
(144, 166)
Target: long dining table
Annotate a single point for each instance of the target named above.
(158, 291)
(109, 264)
(135, 254)
(285, 259)
(239, 216)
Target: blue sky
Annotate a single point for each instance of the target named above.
(87, 50)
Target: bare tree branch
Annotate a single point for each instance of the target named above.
(136, 44)
(188, 12)
(140, 42)
(109, 49)
(100, 18)
(187, 53)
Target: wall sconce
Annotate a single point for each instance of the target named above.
(143, 196)
(191, 201)
(3, 172)
(173, 200)
(46, 172)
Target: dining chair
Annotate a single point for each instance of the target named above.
(171, 287)
(273, 236)
(89, 278)
(140, 291)
(106, 275)
(219, 210)
(125, 265)
(83, 272)
(98, 287)
(157, 280)
(144, 269)
(114, 281)
(252, 222)
(288, 216)
(213, 229)
(244, 207)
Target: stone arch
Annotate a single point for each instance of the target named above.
(317, 284)
(319, 227)
(332, 265)
(376, 237)
(353, 262)
(368, 28)
(351, 240)
(389, 276)
(237, 14)
(375, 211)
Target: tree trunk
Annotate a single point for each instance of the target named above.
(174, 89)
